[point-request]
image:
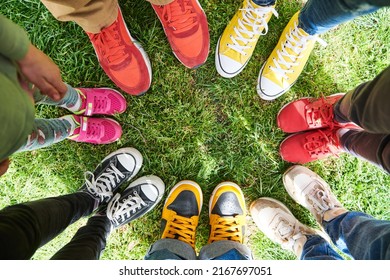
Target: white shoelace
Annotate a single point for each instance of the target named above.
(319, 199)
(118, 211)
(297, 42)
(286, 231)
(251, 17)
(102, 186)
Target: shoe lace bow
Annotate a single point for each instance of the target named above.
(183, 229)
(180, 15)
(322, 143)
(110, 45)
(103, 185)
(252, 24)
(319, 198)
(319, 114)
(285, 231)
(119, 210)
(226, 228)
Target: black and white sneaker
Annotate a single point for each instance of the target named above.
(140, 197)
(114, 170)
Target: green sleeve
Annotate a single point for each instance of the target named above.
(13, 38)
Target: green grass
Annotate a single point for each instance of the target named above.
(196, 125)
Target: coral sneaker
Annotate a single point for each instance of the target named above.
(311, 145)
(96, 130)
(185, 25)
(122, 58)
(310, 113)
(238, 41)
(180, 215)
(101, 101)
(286, 62)
(227, 212)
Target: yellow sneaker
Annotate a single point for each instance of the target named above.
(238, 41)
(286, 62)
(181, 211)
(227, 212)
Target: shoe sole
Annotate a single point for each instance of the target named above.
(191, 183)
(265, 96)
(221, 185)
(280, 204)
(131, 151)
(219, 68)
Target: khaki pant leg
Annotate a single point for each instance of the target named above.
(91, 15)
(160, 2)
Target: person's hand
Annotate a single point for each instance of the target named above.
(4, 166)
(43, 73)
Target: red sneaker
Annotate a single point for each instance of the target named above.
(310, 146)
(310, 113)
(122, 58)
(185, 25)
(101, 101)
(96, 130)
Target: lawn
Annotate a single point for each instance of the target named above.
(196, 125)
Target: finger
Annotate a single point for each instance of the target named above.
(4, 166)
(47, 89)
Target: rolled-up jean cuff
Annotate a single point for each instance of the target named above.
(175, 246)
(217, 249)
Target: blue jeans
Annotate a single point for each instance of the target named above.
(356, 234)
(318, 16)
(173, 249)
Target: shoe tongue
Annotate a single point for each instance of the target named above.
(185, 205)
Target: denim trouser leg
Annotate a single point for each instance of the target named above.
(318, 16)
(26, 227)
(264, 2)
(360, 235)
(225, 250)
(317, 248)
(170, 249)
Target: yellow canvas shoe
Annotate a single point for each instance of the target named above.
(227, 211)
(181, 211)
(238, 41)
(286, 62)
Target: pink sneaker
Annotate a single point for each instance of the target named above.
(101, 101)
(96, 130)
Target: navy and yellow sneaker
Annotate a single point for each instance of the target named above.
(227, 212)
(181, 212)
(114, 170)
